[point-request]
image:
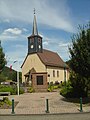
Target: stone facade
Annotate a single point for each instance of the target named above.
(37, 86)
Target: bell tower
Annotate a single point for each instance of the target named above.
(34, 41)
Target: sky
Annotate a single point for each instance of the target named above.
(57, 21)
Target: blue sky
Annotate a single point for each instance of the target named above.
(57, 21)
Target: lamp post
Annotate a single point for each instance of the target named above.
(65, 74)
(17, 74)
(18, 81)
(17, 78)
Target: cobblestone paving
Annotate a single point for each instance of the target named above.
(34, 103)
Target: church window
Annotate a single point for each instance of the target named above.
(53, 73)
(32, 40)
(57, 73)
(39, 40)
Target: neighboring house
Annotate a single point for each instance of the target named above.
(42, 66)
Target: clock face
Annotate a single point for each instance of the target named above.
(39, 46)
(32, 46)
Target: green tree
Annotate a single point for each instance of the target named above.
(2, 58)
(80, 60)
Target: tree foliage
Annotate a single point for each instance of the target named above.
(80, 53)
(80, 59)
(2, 58)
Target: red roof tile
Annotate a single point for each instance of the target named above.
(50, 58)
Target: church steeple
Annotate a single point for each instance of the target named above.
(34, 41)
(35, 30)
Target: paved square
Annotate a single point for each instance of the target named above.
(35, 103)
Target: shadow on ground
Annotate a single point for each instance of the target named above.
(77, 100)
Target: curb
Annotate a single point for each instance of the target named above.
(44, 114)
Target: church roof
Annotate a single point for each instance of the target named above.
(49, 58)
(30, 71)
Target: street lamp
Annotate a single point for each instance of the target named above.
(17, 74)
(65, 73)
(18, 81)
(17, 78)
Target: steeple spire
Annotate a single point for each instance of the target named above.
(35, 30)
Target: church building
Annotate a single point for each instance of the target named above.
(42, 66)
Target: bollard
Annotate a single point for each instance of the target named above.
(47, 106)
(81, 104)
(13, 107)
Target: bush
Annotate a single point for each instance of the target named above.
(11, 89)
(67, 90)
(55, 87)
(30, 90)
(61, 84)
(21, 91)
(5, 101)
(70, 91)
(4, 88)
(50, 88)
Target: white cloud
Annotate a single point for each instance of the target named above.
(45, 43)
(25, 30)
(14, 31)
(13, 34)
(47, 13)
(62, 44)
